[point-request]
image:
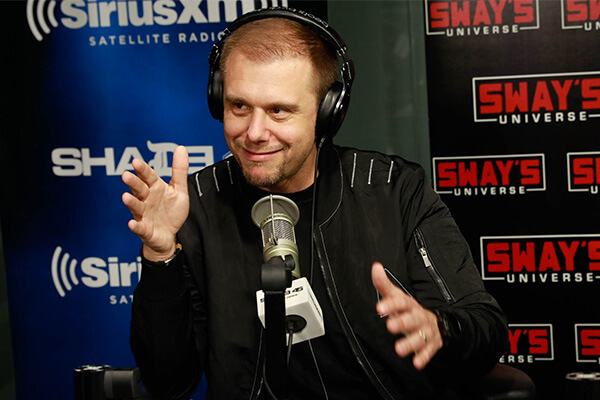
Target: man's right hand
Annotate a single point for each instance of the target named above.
(159, 209)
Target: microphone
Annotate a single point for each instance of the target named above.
(276, 217)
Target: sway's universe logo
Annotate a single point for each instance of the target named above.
(93, 272)
(584, 171)
(480, 17)
(587, 343)
(44, 15)
(542, 259)
(534, 99)
(489, 175)
(529, 343)
(580, 14)
(70, 161)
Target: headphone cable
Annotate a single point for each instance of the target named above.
(312, 256)
(313, 208)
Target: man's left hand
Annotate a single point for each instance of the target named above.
(405, 316)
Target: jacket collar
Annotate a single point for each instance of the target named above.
(329, 183)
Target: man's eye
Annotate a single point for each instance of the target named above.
(238, 105)
(277, 110)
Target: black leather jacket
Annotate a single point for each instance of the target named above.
(198, 315)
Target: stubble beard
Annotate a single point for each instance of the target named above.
(264, 182)
(281, 173)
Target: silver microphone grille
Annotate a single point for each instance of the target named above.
(272, 205)
(276, 216)
(277, 228)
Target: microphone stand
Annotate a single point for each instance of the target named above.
(276, 277)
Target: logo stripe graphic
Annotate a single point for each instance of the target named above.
(72, 272)
(40, 16)
(55, 279)
(63, 272)
(51, 17)
(31, 22)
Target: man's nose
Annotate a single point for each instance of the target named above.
(257, 126)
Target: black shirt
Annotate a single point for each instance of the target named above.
(330, 363)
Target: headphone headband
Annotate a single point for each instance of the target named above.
(334, 104)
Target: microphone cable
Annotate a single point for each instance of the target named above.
(290, 332)
(269, 391)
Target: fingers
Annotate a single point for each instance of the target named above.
(141, 229)
(134, 204)
(408, 320)
(424, 356)
(146, 177)
(405, 316)
(137, 228)
(136, 185)
(424, 342)
(383, 285)
(140, 191)
(393, 299)
(380, 279)
(180, 169)
(159, 210)
(144, 172)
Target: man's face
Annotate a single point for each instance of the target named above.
(270, 109)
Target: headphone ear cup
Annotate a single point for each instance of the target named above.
(215, 94)
(332, 111)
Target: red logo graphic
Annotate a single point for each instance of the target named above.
(529, 343)
(543, 259)
(584, 171)
(480, 17)
(587, 343)
(489, 175)
(537, 99)
(580, 14)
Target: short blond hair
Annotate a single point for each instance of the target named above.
(272, 39)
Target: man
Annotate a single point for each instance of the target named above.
(421, 336)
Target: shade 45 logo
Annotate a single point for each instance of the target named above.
(489, 175)
(587, 343)
(480, 17)
(543, 259)
(70, 161)
(580, 14)
(537, 99)
(529, 343)
(584, 172)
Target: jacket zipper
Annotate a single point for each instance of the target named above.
(346, 328)
(430, 267)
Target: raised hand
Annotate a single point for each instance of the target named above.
(407, 317)
(159, 209)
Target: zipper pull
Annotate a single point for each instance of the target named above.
(425, 257)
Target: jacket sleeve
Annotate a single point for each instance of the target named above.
(162, 338)
(446, 280)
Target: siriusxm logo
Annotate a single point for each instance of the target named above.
(92, 272)
(76, 14)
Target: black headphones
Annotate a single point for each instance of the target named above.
(334, 105)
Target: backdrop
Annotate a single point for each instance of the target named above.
(88, 86)
(514, 101)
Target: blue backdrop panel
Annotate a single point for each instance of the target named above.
(88, 86)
